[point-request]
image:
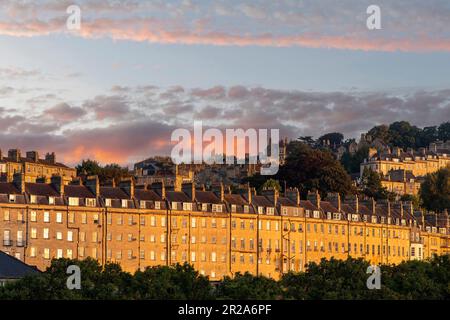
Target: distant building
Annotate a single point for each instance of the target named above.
(401, 182)
(33, 167)
(12, 268)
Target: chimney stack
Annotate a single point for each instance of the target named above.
(127, 184)
(19, 181)
(57, 183)
(93, 184)
(14, 154)
(159, 187)
(50, 157)
(33, 155)
(221, 192)
(189, 189)
(314, 197)
(249, 193)
(335, 198)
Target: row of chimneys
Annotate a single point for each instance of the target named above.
(15, 154)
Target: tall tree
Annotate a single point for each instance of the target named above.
(334, 138)
(435, 190)
(310, 169)
(371, 185)
(444, 131)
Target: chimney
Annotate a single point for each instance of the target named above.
(189, 189)
(249, 193)
(294, 195)
(159, 187)
(275, 197)
(402, 215)
(50, 157)
(93, 184)
(33, 155)
(57, 183)
(127, 184)
(19, 181)
(14, 154)
(335, 198)
(314, 197)
(76, 181)
(221, 192)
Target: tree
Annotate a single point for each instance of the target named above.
(271, 184)
(435, 190)
(444, 131)
(351, 162)
(311, 169)
(371, 185)
(106, 174)
(180, 281)
(248, 287)
(335, 138)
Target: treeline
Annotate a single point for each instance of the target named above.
(329, 279)
(106, 174)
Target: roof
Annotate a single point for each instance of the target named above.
(148, 195)
(177, 196)
(207, 197)
(40, 189)
(8, 188)
(236, 199)
(39, 161)
(12, 268)
(78, 191)
(113, 193)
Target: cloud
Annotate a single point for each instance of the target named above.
(406, 25)
(63, 112)
(138, 123)
(18, 73)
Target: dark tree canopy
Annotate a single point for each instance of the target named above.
(334, 138)
(105, 173)
(435, 190)
(312, 169)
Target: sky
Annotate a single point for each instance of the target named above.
(116, 88)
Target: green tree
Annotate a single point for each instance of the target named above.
(107, 173)
(351, 162)
(311, 169)
(271, 184)
(335, 138)
(371, 186)
(180, 281)
(444, 131)
(435, 190)
(248, 287)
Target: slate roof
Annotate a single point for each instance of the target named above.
(12, 268)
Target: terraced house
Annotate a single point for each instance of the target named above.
(217, 231)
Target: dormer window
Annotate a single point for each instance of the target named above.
(142, 204)
(329, 215)
(108, 202)
(260, 210)
(316, 214)
(336, 216)
(12, 198)
(307, 213)
(157, 205)
(33, 199)
(73, 201)
(124, 203)
(374, 219)
(246, 209)
(90, 202)
(204, 207)
(355, 217)
(295, 211)
(174, 206)
(233, 208)
(217, 208)
(284, 211)
(187, 206)
(51, 200)
(270, 211)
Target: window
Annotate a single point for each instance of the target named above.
(69, 253)
(204, 207)
(187, 206)
(51, 200)
(46, 216)
(124, 203)
(194, 223)
(157, 205)
(45, 233)
(108, 202)
(33, 198)
(33, 252)
(59, 235)
(73, 201)
(90, 202)
(260, 210)
(58, 217)
(70, 236)
(46, 253)
(33, 216)
(233, 208)
(71, 217)
(33, 233)
(153, 221)
(6, 215)
(270, 210)
(163, 221)
(83, 218)
(246, 209)
(142, 204)
(217, 208)
(59, 253)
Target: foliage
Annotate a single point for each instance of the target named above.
(246, 286)
(271, 184)
(328, 279)
(335, 138)
(351, 162)
(106, 173)
(311, 169)
(435, 190)
(371, 185)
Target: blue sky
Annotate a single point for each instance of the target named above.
(301, 66)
